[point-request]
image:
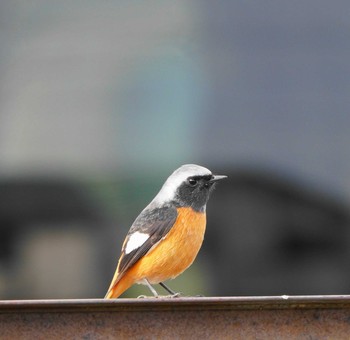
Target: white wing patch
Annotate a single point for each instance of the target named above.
(135, 241)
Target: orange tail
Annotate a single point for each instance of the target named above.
(115, 290)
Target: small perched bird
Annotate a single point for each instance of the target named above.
(165, 238)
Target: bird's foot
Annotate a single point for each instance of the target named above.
(175, 295)
(171, 296)
(147, 297)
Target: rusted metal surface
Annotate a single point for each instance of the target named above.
(298, 317)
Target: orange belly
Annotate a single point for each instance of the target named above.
(176, 252)
(170, 257)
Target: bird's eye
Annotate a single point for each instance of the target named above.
(192, 182)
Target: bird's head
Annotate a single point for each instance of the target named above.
(188, 186)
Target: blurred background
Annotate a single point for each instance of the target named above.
(101, 101)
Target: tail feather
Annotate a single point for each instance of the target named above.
(118, 288)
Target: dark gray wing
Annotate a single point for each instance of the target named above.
(156, 223)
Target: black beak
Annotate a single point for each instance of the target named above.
(216, 178)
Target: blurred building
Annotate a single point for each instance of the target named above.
(268, 235)
(100, 101)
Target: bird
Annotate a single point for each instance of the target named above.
(166, 237)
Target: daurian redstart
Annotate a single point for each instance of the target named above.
(166, 237)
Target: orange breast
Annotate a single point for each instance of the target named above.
(176, 252)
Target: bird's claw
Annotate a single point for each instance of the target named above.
(171, 296)
(176, 295)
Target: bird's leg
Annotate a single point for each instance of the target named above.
(173, 294)
(154, 292)
(167, 288)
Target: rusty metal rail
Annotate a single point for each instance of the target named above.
(280, 317)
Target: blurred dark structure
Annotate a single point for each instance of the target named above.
(269, 236)
(51, 240)
(266, 235)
